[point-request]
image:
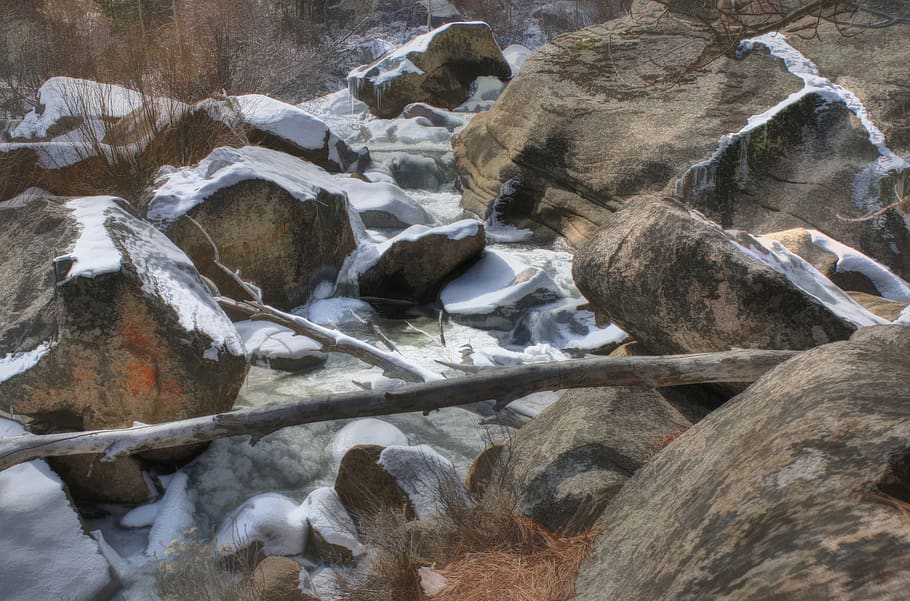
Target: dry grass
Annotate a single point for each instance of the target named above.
(195, 572)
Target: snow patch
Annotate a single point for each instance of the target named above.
(13, 364)
(267, 341)
(173, 519)
(269, 518)
(385, 198)
(95, 252)
(324, 512)
(419, 471)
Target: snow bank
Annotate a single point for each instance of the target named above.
(365, 431)
(45, 553)
(420, 472)
(173, 518)
(61, 97)
(111, 235)
(266, 342)
(500, 283)
(384, 205)
(804, 276)
(179, 190)
(269, 518)
(323, 511)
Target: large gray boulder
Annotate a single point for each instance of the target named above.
(436, 68)
(574, 134)
(796, 490)
(573, 458)
(118, 328)
(282, 222)
(677, 283)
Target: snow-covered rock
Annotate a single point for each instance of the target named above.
(270, 519)
(437, 67)
(497, 290)
(278, 347)
(118, 328)
(173, 518)
(332, 533)
(291, 129)
(414, 265)
(436, 116)
(46, 554)
(302, 230)
(422, 474)
(516, 55)
(368, 430)
(384, 205)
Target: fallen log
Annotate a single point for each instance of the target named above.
(503, 385)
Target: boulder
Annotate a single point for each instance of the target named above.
(496, 291)
(46, 552)
(414, 265)
(414, 172)
(299, 235)
(119, 328)
(846, 267)
(365, 488)
(677, 283)
(573, 458)
(572, 137)
(437, 117)
(436, 68)
(383, 205)
(277, 578)
(278, 347)
(795, 490)
(332, 535)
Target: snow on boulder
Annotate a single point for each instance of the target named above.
(46, 554)
(845, 266)
(281, 222)
(368, 430)
(118, 328)
(414, 265)
(331, 533)
(366, 488)
(712, 291)
(437, 67)
(516, 55)
(384, 205)
(270, 519)
(409, 132)
(437, 117)
(278, 347)
(285, 127)
(423, 474)
(497, 290)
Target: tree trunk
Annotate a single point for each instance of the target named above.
(501, 384)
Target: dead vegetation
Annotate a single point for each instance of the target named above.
(195, 572)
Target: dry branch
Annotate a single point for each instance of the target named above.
(504, 385)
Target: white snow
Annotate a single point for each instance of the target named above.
(266, 341)
(45, 552)
(164, 270)
(335, 311)
(178, 190)
(516, 55)
(804, 276)
(367, 197)
(498, 281)
(365, 431)
(420, 472)
(24, 198)
(94, 253)
(323, 511)
(173, 518)
(269, 518)
(142, 516)
(405, 132)
(14, 364)
(888, 284)
(60, 97)
(284, 120)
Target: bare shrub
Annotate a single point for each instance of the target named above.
(193, 571)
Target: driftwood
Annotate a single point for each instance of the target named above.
(503, 385)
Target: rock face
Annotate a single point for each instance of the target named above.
(795, 490)
(572, 137)
(282, 222)
(436, 68)
(571, 460)
(277, 578)
(414, 265)
(118, 328)
(677, 283)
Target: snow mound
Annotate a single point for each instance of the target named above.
(61, 97)
(46, 554)
(500, 286)
(173, 519)
(384, 205)
(420, 472)
(179, 190)
(270, 519)
(365, 431)
(804, 276)
(323, 511)
(270, 344)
